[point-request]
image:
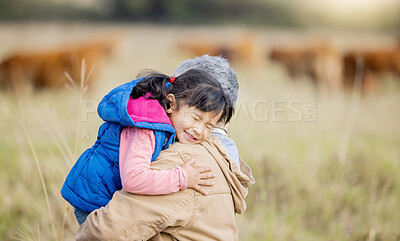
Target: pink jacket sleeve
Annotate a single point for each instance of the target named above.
(136, 148)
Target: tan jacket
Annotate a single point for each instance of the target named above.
(184, 215)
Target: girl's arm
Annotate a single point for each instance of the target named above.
(136, 148)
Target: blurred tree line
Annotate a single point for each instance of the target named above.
(257, 12)
(289, 14)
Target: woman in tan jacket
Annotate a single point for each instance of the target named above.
(184, 215)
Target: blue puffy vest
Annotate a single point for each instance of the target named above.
(95, 176)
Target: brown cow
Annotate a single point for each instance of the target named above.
(370, 64)
(46, 69)
(238, 49)
(320, 62)
(330, 68)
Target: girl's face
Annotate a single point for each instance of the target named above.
(192, 126)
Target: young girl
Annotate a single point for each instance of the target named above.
(142, 118)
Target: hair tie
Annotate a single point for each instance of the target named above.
(172, 79)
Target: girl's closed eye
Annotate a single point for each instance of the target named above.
(199, 118)
(196, 118)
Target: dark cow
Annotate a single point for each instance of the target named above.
(46, 68)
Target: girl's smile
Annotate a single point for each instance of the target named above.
(190, 137)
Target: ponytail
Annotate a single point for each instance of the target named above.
(154, 83)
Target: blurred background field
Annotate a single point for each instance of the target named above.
(325, 157)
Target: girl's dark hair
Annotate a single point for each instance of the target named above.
(193, 88)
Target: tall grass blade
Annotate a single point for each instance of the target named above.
(22, 124)
(353, 111)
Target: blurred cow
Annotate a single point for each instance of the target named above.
(46, 68)
(237, 49)
(328, 67)
(370, 64)
(320, 62)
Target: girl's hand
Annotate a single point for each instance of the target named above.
(197, 175)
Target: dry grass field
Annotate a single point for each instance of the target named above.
(326, 163)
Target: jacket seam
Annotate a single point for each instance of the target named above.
(155, 224)
(147, 234)
(179, 154)
(192, 216)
